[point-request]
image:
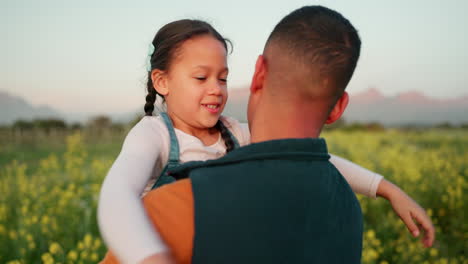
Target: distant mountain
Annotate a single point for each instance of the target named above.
(408, 108)
(371, 95)
(119, 117)
(13, 108)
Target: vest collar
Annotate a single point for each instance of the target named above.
(285, 149)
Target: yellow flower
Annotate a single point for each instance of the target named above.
(72, 255)
(443, 261)
(14, 262)
(55, 248)
(94, 257)
(84, 255)
(32, 245)
(80, 245)
(97, 243)
(433, 252)
(45, 220)
(47, 258)
(88, 239)
(370, 234)
(373, 254)
(24, 209)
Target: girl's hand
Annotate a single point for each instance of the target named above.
(408, 210)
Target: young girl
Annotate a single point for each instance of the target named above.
(189, 72)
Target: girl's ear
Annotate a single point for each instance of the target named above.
(159, 79)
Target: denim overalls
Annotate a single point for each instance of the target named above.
(173, 160)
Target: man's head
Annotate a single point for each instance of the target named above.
(308, 61)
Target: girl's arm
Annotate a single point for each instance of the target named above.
(361, 180)
(408, 210)
(122, 219)
(371, 184)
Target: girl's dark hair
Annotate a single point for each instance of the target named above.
(166, 43)
(225, 135)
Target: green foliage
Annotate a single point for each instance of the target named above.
(342, 125)
(42, 124)
(50, 213)
(49, 193)
(431, 167)
(100, 122)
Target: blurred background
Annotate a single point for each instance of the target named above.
(72, 84)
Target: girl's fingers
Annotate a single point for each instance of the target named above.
(410, 224)
(425, 222)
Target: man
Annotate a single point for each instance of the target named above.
(278, 200)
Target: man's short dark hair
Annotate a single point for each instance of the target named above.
(322, 41)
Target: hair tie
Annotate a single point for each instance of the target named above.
(148, 57)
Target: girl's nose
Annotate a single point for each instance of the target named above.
(216, 88)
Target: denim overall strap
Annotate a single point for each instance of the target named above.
(174, 148)
(233, 138)
(173, 160)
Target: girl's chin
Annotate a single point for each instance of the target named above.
(210, 122)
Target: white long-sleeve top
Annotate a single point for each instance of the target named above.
(122, 219)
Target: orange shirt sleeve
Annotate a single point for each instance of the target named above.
(170, 209)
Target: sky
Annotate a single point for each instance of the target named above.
(89, 56)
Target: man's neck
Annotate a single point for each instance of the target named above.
(296, 122)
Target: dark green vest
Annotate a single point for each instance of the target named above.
(279, 201)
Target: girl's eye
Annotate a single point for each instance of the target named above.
(223, 80)
(200, 78)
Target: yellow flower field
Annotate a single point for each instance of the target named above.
(48, 205)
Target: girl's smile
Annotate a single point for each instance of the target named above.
(195, 86)
(212, 107)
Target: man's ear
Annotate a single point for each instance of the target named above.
(338, 109)
(159, 79)
(259, 75)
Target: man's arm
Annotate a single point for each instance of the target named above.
(170, 209)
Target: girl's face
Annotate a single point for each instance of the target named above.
(196, 83)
